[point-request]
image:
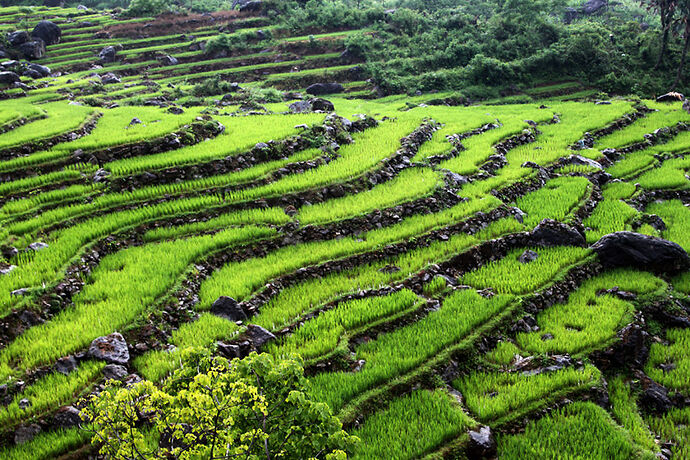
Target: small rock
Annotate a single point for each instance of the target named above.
(621, 249)
(26, 433)
(65, 365)
(175, 110)
(114, 372)
(229, 350)
(300, 107)
(107, 54)
(324, 105)
(7, 270)
(111, 348)
(8, 78)
(38, 246)
(19, 292)
(9, 252)
(135, 121)
(258, 335)
(528, 256)
(67, 417)
(168, 60)
(228, 308)
(24, 404)
(482, 443)
(553, 233)
(547, 336)
(110, 78)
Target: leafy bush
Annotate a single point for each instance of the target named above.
(253, 407)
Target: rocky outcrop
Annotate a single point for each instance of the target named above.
(110, 348)
(553, 233)
(47, 31)
(318, 89)
(628, 249)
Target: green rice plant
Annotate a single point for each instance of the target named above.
(241, 279)
(556, 200)
(29, 183)
(332, 328)
(674, 426)
(672, 174)
(510, 276)
(679, 144)
(498, 395)
(551, 144)
(50, 392)
(503, 354)
(624, 409)
(681, 283)
(589, 321)
(47, 445)
(123, 286)
(240, 135)
(409, 184)
(665, 115)
(576, 169)
(632, 164)
(479, 148)
(577, 431)
(412, 426)
(273, 216)
(13, 208)
(17, 109)
(460, 316)
(611, 214)
(61, 118)
(676, 353)
(676, 216)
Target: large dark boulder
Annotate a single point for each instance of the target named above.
(43, 70)
(594, 6)
(47, 31)
(17, 38)
(110, 348)
(628, 249)
(228, 308)
(35, 49)
(67, 417)
(553, 233)
(318, 89)
(107, 54)
(7, 78)
(319, 103)
(259, 336)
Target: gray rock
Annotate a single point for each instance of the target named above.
(482, 443)
(35, 49)
(135, 121)
(19, 292)
(254, 5)
(318, 89)
(110, 348)
(229, 350)
(528, 256)
(107, 54)
(259, 336)
(168, 60)
(628, 249)
(26, 433)
(300, 107)
(82, 8)
(18, 37)
(109, 78)
(47, 31)
(38, 246)
(582, 161)
(324, 105)
(7, 270)
(32, 74)
(227, 307)
(9, 252)
(593, 6)
(65, 365)
(114, 372)
(7, 78)
(43, 70)
(24, 404)
(671, 97)
(552, 233)
(67, 417)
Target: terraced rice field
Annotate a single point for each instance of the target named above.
(432, 264)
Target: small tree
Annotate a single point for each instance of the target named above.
(212, 408)
(666, 10)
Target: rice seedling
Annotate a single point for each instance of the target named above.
(579, 430)
(674, 426)
(675, 372)
(123, 286)
(412, 426)
(676, 216)
(556, 200)
(461, 315)
(503, 354)
(632, 164)
(611, 214)
(496, 395)
(672, 174)
(332, 328)
(624, 409)
(49, 392)
(589, 320)
(510, 276)
(47, 445)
